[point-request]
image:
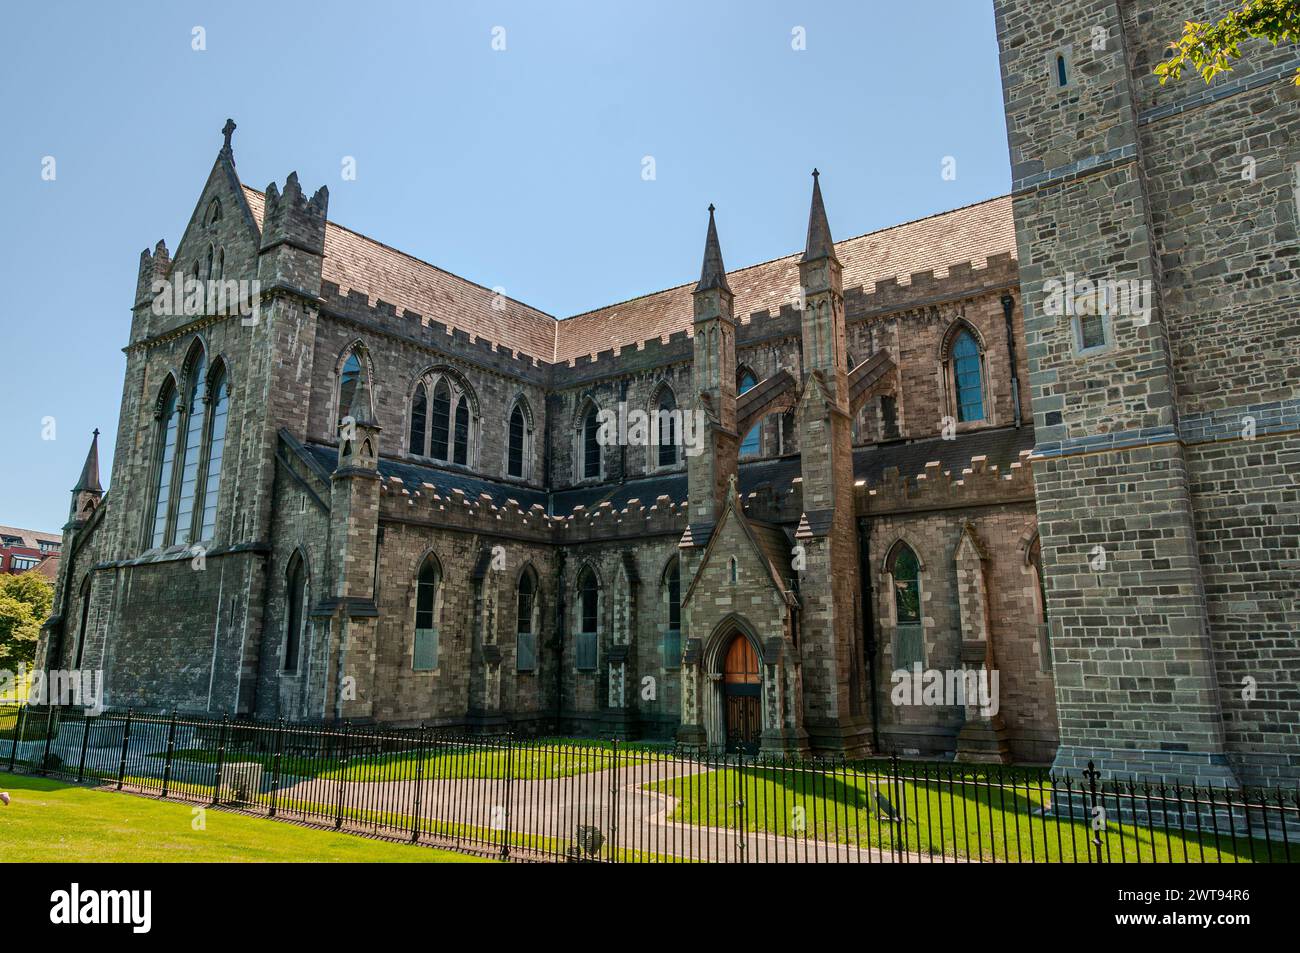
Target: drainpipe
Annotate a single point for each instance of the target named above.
(868, 624)
(550, 404)
(1008, 303)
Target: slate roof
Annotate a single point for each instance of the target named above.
(443, 481)
(1002, 447)
(355, 262)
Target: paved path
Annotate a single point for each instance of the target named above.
(553, 811)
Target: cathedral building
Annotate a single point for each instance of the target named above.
(374, 491)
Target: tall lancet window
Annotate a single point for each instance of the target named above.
(667, 421)
(195, 413)
(750, 446)
(515, 451)
(460, 441)
(218, 413)
(968, 377)
(441, 413)
(168, 421)
(419, 414)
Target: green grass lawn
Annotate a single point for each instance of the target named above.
(52, 821)
(528, 762)
(974, 820)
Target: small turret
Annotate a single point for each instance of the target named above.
(358, 433)
(293, 237)
(88, 492)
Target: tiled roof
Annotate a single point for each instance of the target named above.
(356, 263)
(969, 234)
(30, 538)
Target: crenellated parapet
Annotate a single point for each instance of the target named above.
(963, 280)
(633, 521)
(356, 307)
(979, 484)
(457, 510)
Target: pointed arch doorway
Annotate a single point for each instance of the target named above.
(742, 690)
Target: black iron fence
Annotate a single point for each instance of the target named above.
(589, 800)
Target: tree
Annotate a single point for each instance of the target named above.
(25, 602)
(1210, 48)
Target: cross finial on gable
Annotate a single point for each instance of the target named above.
(227, 130)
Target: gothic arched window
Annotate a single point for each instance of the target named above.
(588, 620)
(666, 426)
(419, 418)
(85, 617)
(515, 448)
(1062, 76)
(526, 623)
(673, 632)
(168, 420)
(591, 444)
(968, 377)
(218, 414)
(749, 447)
(194, 413)
(460, 446)
(296, 612)
(905, 570)
(441, 416)
(428, 606)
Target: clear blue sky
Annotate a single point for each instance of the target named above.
(520, 168)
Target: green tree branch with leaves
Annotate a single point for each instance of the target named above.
(25, 603)
(1211, 48)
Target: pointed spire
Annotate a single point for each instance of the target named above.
(90, 471)
(820, 243)
(713, 274)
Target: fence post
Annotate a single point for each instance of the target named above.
(126, 741)
(896, 791)
(741, 840)
(510, 778)
(171, 748)
(18, 732)
(85, 743)
(613, 807)
(50, 728)
(419, 785)
(1092, 774)
(275, 764)
(343, 771)
(221, 760)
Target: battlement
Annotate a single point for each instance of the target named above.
(154, 266)
(635, 520)
(458, 510)
(357, 307)
(291, 217)
(937, 488)
(962, 280)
